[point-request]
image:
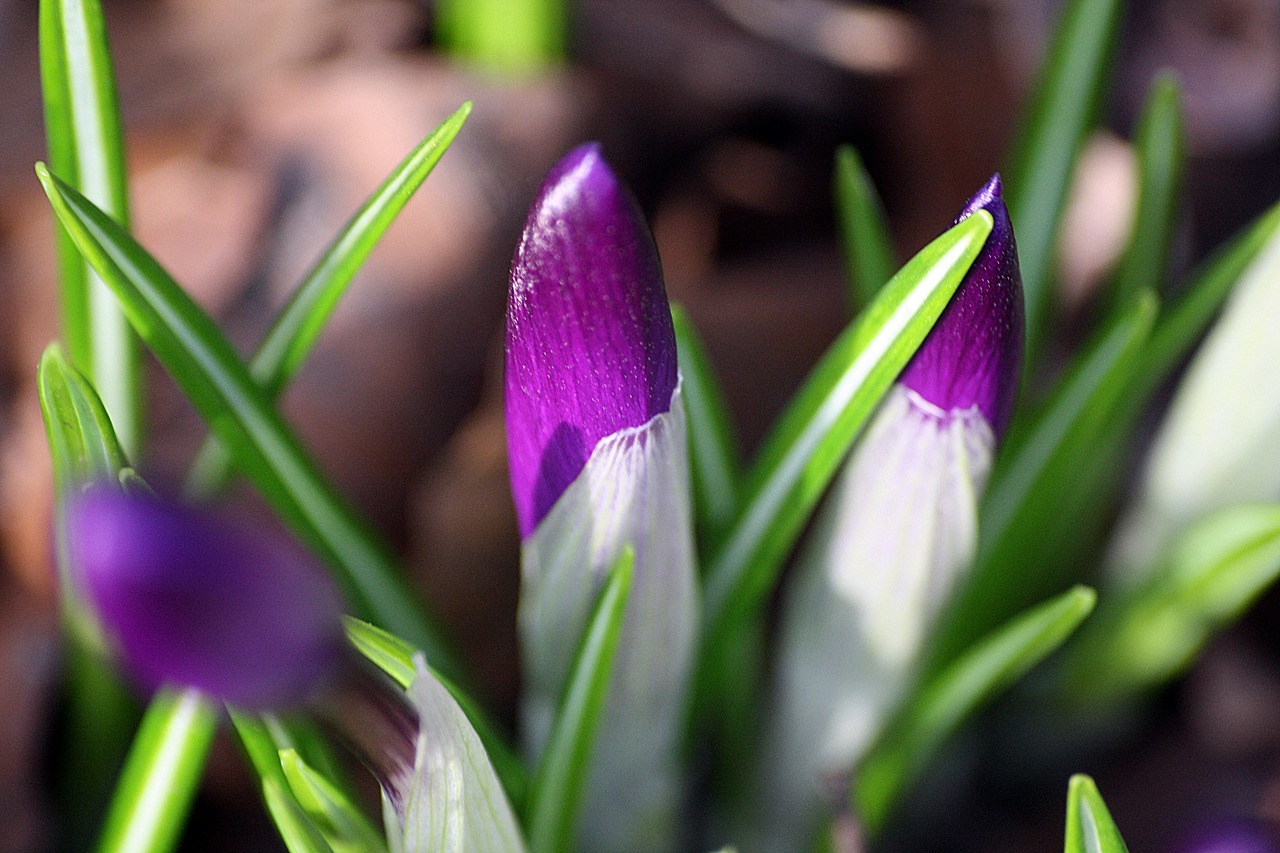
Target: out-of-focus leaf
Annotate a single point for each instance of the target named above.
(942, 702)
(1059, 114)
(297, 831)
(714, 465)
(204, 364)
(160, 777)
(1146, 636)
(1090, 828)
(339, 821)
(1029, 537)
(82, 125)
(295, 331)
(504, 37)
(556, 796)
(868, 251)
(1161, 146)
(804, 451)
(1184, 322)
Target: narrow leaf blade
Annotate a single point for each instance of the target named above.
(804, 451)
(343, 826)
(556, 797)
(1059, 114)
(714, 464)
(938, 707)
(1144, 637)
(161, 775)
(295, 331)
(1161, 149)
(864, 232)
(204, 364)
(82, 121)
(1090, 828)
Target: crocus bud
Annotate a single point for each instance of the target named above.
(889, 544)
(596, 437)
(190, 598)
(1217, 445)
(442, 793)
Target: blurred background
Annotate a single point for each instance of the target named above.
(254, 128)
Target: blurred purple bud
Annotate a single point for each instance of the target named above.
(189, 598)
(1240, 835)
(590, 348)
(973, 356)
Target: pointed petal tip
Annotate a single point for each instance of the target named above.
(991, 192)
(973, 356)
(590, 348)
(188, 598)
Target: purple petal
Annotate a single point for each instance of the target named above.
(191, 599)
(1231, 836)
(974, 354)
(590, 348)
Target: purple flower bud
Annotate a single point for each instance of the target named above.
(894, 536)
(590, 346)
(599, 462)
(188, 598)
(974, 354)
(1233, 836)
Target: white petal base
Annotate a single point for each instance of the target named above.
(455, 803)
(634, 490)
(893, 537)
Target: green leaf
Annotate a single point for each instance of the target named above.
(208, 370)
(805, 450)
(1059, 114)
(101, 713)
(161, 775)
(714, 465)
(1183, 324)
(395, 657)
(1090, 828)
(339, 821)
(509, 38)
(864, 233)
(82, 125)
(1161, 147)
(556, 797)
(297, 831)
(1030, 538)
(295, 331)
(1146, 636)
(942, 702)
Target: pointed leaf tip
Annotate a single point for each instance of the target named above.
(590, 348)
(973, 356)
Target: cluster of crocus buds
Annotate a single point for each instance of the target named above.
(191, 599)
(596, 438)
(897, 532)
(599, 465)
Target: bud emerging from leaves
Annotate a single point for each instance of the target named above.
(896, 533)
(596, 437)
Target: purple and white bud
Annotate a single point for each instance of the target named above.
(596, 440)
(894, 536)
(190, 598)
